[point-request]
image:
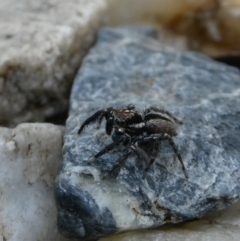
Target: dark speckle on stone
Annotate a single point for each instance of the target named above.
(128, 66)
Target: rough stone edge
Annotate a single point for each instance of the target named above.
(13, 143)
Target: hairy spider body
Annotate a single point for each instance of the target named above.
(160, 126)
(128, 127)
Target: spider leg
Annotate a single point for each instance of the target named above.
(153, 157)
(175, 149)
(110, 147)
(92, 118)
(148, 110)
(173, 145)
(121, 161)
(140, 152)
(100, 120)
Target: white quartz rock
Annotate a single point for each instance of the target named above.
(42, 44)
(30, 156)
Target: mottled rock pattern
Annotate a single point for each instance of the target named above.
(30, 156)
(42, 44)
(222, 226)
(127, 66)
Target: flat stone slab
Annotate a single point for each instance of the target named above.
(127, 66)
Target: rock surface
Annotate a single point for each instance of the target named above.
(127, 66)
(222, 226)
(42, 44)
(30, 155)
(18, 224)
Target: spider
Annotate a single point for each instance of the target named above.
(128, 127)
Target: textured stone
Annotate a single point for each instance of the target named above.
(30, 155)
(222, 226)
(42, 44)
(127, 66)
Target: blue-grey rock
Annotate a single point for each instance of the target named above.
(128, 66)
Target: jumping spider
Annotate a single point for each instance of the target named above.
(127, 126)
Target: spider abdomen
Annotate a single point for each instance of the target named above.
(155, 126)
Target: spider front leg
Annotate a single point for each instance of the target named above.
(121, 161)
(100, 118)
(124, 158)
(94, 117)
(151, 108)
(124, 138)
(173, 145)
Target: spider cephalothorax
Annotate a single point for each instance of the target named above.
(127, 126)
